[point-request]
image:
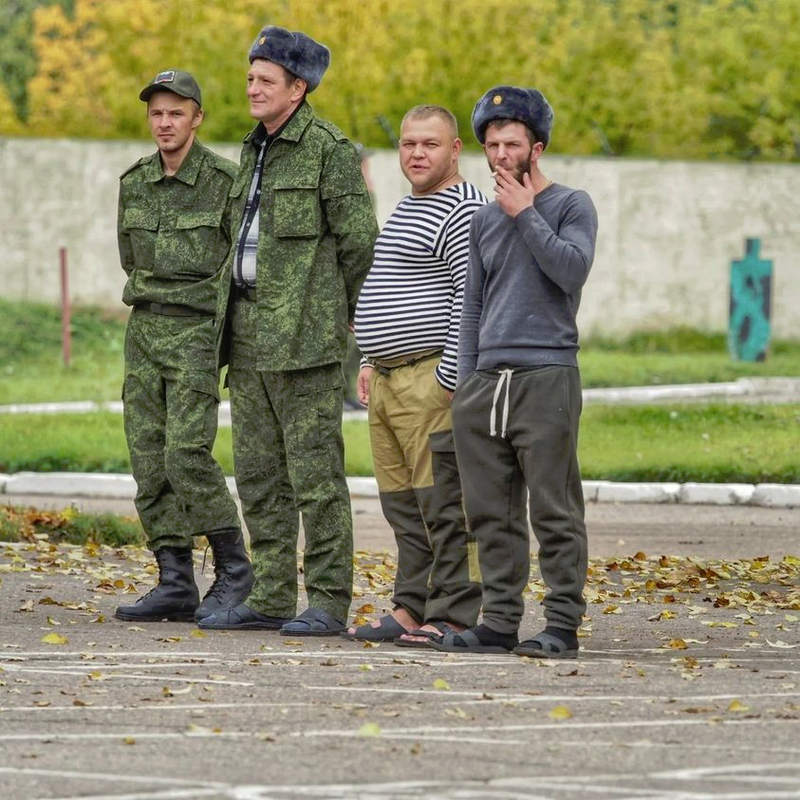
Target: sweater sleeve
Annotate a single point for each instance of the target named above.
(566, 255)
(472, 305)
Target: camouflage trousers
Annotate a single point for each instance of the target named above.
(171, 399)
(288, 454)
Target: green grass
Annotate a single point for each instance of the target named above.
(68, 525)
(707, 444)
(751, 444)
(679, 355)
(96, 443)
(31, 363)
(32, 370)
(714, 443)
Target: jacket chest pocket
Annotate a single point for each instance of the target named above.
(197, 243)
(296, 212)
(142, 226)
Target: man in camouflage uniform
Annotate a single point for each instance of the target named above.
(173, 240)
(304, 230)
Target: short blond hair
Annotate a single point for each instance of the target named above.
(425, 111)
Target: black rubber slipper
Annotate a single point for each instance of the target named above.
(545, 645)
(469, 641)
(313, 622)
(388, 630)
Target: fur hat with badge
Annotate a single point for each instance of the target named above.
(294, 51)
(528, 106)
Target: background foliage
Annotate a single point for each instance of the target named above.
(677, 78)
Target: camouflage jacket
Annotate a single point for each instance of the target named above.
(316, 235)
(174, 232)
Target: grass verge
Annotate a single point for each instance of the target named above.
(33, 372)
(69, 525)
(96, 443)
(704, 443)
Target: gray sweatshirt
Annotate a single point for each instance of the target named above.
(524, 281)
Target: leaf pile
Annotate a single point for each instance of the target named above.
(67, 525)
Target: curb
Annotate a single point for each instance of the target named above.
(742, 390)
(123, 487)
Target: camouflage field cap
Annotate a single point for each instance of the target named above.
(173, 80)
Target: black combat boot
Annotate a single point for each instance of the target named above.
(233, 574)
(174, 597)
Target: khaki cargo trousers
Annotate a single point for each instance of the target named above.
(420, 491)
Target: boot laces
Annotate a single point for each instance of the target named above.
(221, 578)
(158, 583)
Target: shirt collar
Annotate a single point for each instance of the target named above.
(291, 130)
(187, 172)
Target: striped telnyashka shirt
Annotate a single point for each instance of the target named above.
(411, 299)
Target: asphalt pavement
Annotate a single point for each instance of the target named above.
(687, 686)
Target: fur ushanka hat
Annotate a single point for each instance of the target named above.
(293, 50)
(528, 106)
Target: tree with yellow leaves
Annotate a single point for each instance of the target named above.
(696, 78)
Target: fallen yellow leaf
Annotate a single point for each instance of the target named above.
(560, 712)
(441, 685)
(54, 638)
(370, 729)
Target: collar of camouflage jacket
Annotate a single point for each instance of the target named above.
(188, 171)
(292, 129)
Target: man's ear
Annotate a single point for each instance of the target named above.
(299, 88)
(197, 119)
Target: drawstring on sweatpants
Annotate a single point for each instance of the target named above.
(504, 379)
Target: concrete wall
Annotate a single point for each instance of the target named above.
(668, 230)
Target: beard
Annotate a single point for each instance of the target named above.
(518, 168)
(521, 169)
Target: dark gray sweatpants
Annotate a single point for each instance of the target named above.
(516, 434)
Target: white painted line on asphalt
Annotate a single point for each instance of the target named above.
(566, 725)
(137, 735)
(110, 776)
(91, 666)
(516, 788)
(767, 654)
(552, 697)
(695, 773)
(159, 794)
(456, 733)
(78, 655)
(245, 705)
(496, 697)
(692, 795)
(650, 744)
(162, 678)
